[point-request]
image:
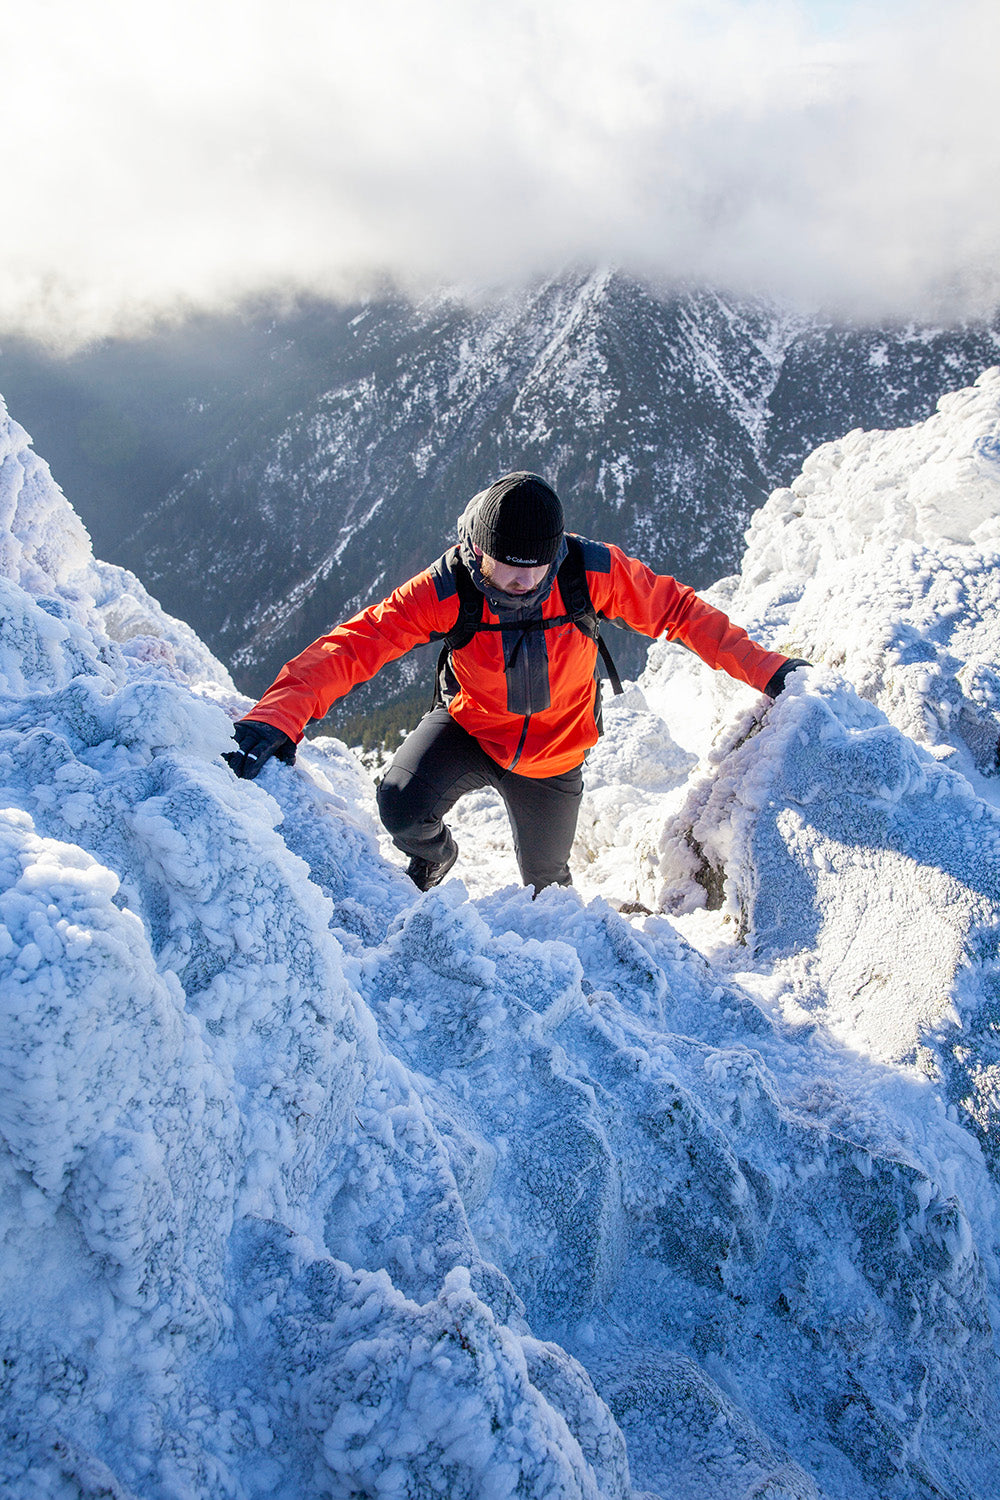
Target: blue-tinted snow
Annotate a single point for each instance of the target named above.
(313, 1186)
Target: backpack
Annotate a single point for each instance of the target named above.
(572, 580)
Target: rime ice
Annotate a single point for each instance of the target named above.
(313, 1186)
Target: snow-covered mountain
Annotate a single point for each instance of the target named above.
(314, 1186)
(663, 420)
(625, 400)
(266, 475)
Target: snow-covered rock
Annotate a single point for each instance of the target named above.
(313, 1186)
(883, 561)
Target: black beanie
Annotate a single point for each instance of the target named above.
(519, 521)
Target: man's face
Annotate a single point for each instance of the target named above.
(508, 579)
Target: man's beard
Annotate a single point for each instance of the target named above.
(486, 568)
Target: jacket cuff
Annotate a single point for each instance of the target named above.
(275, 719)
(780, 677)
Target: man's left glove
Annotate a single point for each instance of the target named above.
(257, 743)
(781, 676)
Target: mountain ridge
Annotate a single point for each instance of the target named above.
(663, 418)
(352, 1188)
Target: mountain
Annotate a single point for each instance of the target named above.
(326, 452)
(314, 1185)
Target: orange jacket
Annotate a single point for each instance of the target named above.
(539, 723)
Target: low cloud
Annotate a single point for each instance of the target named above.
(159, 159)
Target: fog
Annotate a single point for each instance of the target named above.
(165, 159)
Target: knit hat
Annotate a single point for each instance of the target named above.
(519, 521)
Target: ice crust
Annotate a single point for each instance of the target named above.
(313, 1186)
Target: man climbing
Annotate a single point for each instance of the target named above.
(517, 700)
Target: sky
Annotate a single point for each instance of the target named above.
(161, 159)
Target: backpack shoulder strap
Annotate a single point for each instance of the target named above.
(580, 607)
(455, 578)
(471, 606)
(573, 587)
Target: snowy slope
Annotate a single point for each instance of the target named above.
(312, 1186)
(629, 403)
(333, 460)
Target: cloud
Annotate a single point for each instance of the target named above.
(193, 155)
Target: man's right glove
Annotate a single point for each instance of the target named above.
(781, 676)
(257, 743)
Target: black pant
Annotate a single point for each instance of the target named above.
(439, 762)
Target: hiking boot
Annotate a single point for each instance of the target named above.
(424, 874)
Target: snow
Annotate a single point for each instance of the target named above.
(311, 1185)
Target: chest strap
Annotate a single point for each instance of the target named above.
(573, 587)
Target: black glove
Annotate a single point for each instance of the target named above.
(257, 743)
(783, 673)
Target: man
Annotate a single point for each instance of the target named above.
(518, 702)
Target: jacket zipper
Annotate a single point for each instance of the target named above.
(518, 668)
(520, 743)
